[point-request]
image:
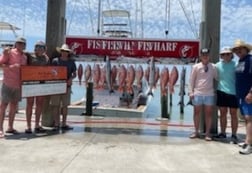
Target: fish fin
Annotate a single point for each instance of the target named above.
(190, 103)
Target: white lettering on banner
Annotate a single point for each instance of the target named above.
(131, 45)
(32, 90)
(157, 46)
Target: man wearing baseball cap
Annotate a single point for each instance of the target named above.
(11, 60)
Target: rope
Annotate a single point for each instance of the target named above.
(167, 17)
(188, 19)
(90, 15)
(194, 20)
(71, 16)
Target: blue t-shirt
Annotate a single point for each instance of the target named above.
(243, 76)
(70, 64)
(226, 76)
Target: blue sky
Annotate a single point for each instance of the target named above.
(30, 16)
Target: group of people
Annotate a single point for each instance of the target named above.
(11, 60)
(234, 90)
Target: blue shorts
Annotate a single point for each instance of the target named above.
(203, 100)
(245, 108)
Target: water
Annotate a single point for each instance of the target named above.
(154, 107)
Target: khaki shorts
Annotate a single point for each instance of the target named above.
(9, 94)
(61, 99)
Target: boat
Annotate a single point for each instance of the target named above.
(7, 28)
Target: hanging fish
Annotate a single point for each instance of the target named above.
(96, 75)
(157, 76)
(80, 73)
(139, 77)
(173, 79)
(88, 73)
(113, 76)
(130, 79)
(151, 76)
(164, 79)
(182, 90)
(122, 74)
(108, 75)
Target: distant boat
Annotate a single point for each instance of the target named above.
(116, 23)
(7, 27)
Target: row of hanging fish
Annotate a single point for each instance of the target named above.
(123, 77)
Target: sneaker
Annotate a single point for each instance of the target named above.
(241, 144)
(222, 135)
(39, 130)
(194, 135)
(234, 139)
(246, 149)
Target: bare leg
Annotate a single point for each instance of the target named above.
(38, 111)
(208, 119)
(56, 115)
(223, 119)
(64, 115)
(234, 120)
(3, 107)
(248, 130)
(29, 105)
(12, 113)
(196, 118)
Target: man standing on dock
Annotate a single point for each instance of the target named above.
(11, 60)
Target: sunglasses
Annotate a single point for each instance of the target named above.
(65, 51)
(39, 47)
(226, 54)
(21, 43)
(205, 68)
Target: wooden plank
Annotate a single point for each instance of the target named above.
(41, 73)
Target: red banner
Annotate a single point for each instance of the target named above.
(130, 47)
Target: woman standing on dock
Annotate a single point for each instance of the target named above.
(226, 98)
(201, 92)
(38, 59)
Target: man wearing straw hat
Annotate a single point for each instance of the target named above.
(244, 89)
(60, 102)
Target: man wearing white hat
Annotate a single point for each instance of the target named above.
(244, 89)
(11, 60)
(226, 94)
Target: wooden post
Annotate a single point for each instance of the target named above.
(55, 32)
(210, 38)
(89, 99)
(164, 107)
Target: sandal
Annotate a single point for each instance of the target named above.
(12, 131)
(39, 130)
(55, 128)
(28, 131)
(66, 127)
(194, 135)
(1, 134)
(208, 138)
